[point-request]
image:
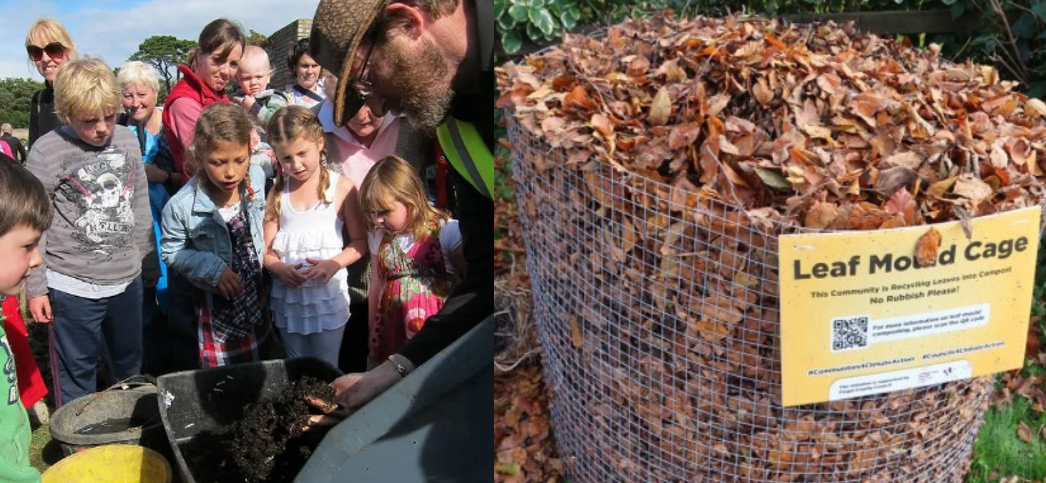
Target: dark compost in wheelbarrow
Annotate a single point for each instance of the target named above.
(268, 444)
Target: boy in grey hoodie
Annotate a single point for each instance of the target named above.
(100, 246)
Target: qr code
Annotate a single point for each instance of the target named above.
(850, 333)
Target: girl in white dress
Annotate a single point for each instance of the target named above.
(306, 214)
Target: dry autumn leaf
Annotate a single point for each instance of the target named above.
(972, 188)
(821, 215)
(772, 178)
(763, 93)
(1025, 433)
(601, 124)
(1035, 108)
(902, 203)
(575, 333)
(525, 452)
(926, 248)
(907, 159)
(683, 135)
(660, 108)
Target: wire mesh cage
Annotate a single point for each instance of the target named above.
(657, 310)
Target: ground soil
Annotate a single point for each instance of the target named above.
(268, 444)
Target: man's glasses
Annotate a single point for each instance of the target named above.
(54, 50)
(360, 87)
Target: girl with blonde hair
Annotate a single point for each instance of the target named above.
(416, 255)
(305, 250)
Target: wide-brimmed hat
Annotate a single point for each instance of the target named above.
(337, 30)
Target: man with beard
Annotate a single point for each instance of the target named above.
(411, 56)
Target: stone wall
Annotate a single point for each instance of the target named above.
(280, 43)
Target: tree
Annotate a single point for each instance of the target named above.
(15, 96)
(164, 53)
(257, 38)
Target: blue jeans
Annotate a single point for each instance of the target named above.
(82, 328)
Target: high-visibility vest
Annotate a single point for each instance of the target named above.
(468, 154)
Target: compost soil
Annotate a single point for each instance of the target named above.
(268, 444)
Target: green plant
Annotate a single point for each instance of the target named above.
(164, 53)
(15, 96)
(999, 446)
(541, 21)
(1013, 38)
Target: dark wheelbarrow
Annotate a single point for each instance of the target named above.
(433, 426)
(192, 402)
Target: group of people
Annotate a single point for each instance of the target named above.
(215, 219)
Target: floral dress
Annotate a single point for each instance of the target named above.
(416, 285)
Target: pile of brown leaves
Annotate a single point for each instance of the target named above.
(525, 450)
(653, 161)
(823, 127)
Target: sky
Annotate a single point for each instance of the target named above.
(112, 29)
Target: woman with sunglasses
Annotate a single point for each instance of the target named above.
(49, 46)
(307, 89)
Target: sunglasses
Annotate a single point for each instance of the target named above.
(359, 89)
(55, 50)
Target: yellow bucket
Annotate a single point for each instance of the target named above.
(112, 463)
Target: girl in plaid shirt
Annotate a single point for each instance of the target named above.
(212, 235)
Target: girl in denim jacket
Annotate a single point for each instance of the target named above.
(212, 235)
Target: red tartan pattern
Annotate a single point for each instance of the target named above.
(252, 348)
(238, 330)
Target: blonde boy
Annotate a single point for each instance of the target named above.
(253, 78)
(90, 285)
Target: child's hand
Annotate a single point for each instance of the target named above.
(321, 269)
(229, 284)
(40, 307)
(247, 101)
(288, 274)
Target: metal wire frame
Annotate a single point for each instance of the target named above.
(657, 312)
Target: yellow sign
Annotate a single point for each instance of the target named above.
(860, 316)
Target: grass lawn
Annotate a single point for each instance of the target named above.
(42, 451)
(1000, 451)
